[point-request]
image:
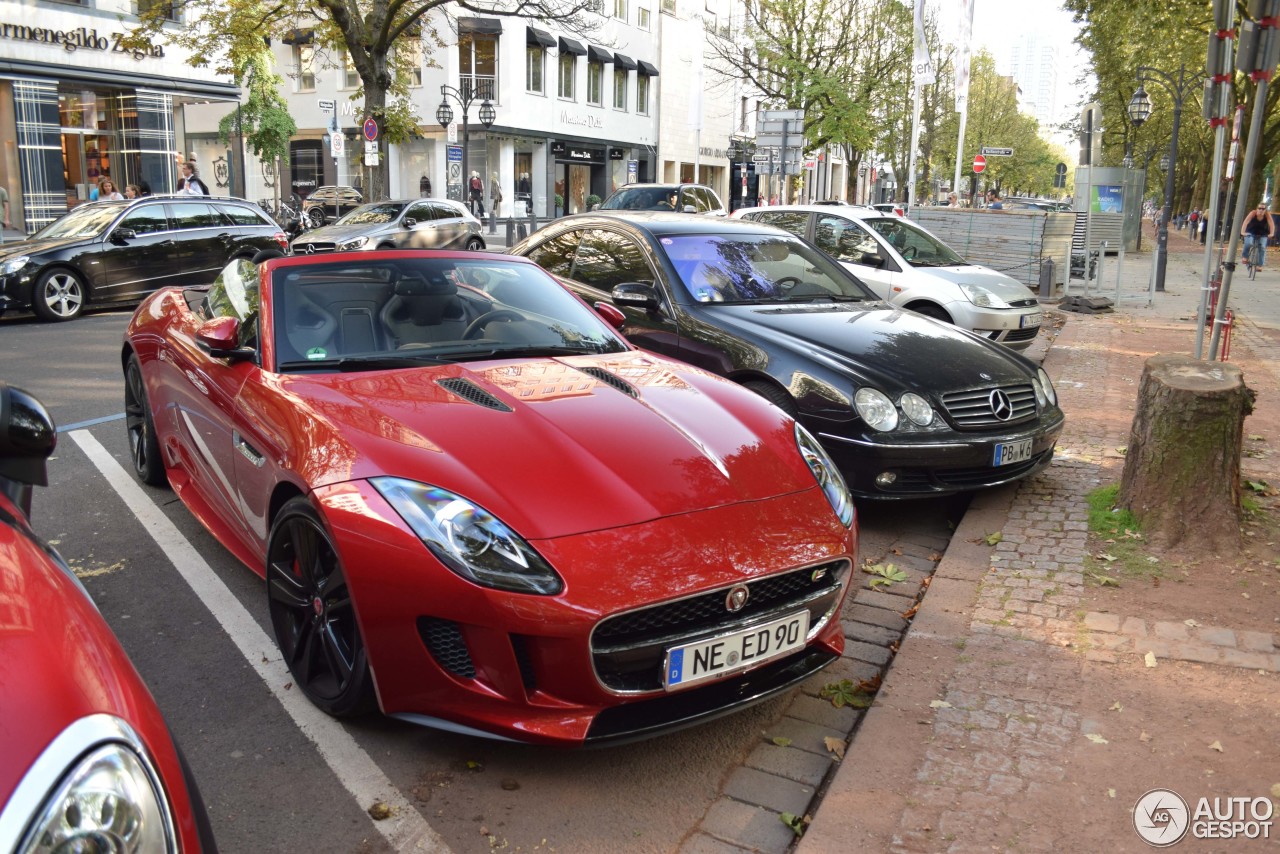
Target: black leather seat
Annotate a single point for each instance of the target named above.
(423, 310)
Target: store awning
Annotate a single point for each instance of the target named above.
(488, 26)
(572, 46)
(623, 61)
(648, 70)
(599, 54)
(533, 35)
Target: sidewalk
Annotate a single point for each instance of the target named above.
(1020, 713)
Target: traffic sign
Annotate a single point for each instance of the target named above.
(370, 129)
(338, 145)
(370, 148)
(997, 152)
(761, 158)
(1061, 169)
(979, 163)
(326, 105)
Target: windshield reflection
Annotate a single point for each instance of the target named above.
(918, 247)
(84, 221)
(374, 214)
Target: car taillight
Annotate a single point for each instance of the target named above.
(283, 240)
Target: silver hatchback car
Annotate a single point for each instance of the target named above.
(397, 224)
(906, 266)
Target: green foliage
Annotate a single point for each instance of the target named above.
(884, 575)
(592, 201)
(264, 117)
(1121, 552)
(846, 693)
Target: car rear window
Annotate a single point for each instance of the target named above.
(242, 215)
(196, 215)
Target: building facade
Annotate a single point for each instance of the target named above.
(77, 107)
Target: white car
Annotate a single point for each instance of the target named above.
(907, 266)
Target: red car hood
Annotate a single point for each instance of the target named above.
(551, 446)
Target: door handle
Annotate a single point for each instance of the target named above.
(247, 451)
(225, 237)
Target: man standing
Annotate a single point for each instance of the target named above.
(191, 184)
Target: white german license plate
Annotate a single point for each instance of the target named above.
(1012, 452)
(707, 659)
(1031, 320)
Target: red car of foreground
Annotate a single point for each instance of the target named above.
(86, 761)
(477, 507)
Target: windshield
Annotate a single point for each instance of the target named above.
(83, 221)
(651, 198)
(758, 268)
(377, 213)
(409, 312)
(917, 246)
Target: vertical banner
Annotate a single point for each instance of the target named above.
(965, 44)
(922, 62)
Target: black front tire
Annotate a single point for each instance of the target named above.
(475, 244)
(144, 447)
(313, 614)
(930, 310)
(775, 395)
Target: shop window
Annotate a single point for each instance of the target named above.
(304, 63)
(620, 88)
(534, 59)
(642, 94)
(595, 82)
(568, 67)
(164, 8)
(478, 64)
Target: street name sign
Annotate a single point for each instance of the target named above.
(997, 152)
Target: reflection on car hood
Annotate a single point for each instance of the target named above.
(892, 349)
(338, 233)
(1003, 286)
(35, 247)
(548, 446)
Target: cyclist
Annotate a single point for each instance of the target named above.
(1257, 230)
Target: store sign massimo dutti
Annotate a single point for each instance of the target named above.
(587, 120)
(77, 39)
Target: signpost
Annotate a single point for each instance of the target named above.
(338, 145)
(370, 129)
(997, 152)
(979, 163)
(326, 105)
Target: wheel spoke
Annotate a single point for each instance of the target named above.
(302, 661)
(336, 654)
(306, 544)
(284, 588)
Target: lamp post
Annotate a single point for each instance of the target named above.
(465, 96)
(1139, 111)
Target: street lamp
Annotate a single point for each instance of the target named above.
(1139, 111)
(444, 115)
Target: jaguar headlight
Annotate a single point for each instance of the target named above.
(828, 477)
(980, 296)
(1046, 386)
(468, 539)
(110, 801)
(916, 408)
(13, 265)
(354, 243)
(876, 409)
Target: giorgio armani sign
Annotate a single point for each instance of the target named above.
(81, 38)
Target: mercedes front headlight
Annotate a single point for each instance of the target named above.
(13, 265)
(828, 477)
(353, 243)
(876, 409)
(980, 296)
(916, 408)
(1046, 386)
(468, 539)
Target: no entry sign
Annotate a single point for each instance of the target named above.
(979, 163)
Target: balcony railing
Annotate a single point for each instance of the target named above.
(480, 86)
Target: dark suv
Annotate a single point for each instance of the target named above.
(690, 198)
(325, 204)
(118, 252)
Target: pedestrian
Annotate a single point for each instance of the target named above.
(477, 194)
(1194, 220)
(495, 192)
(993, 201)
(953, 201)
(4, 203)
(1258, 228)
(144, 189)
(107, 191)
(191, 184)
(424, 186)
(132, 191)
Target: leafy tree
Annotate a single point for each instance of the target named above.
(264, 118)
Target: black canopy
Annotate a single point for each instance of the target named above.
(572, 46)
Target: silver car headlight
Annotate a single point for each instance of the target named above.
(468, 539)
(980, 296)
(876, 409)
(916, 408)
(1045, 387)
(353, 243)
(828, 477)
(13, 265)
(109, 801)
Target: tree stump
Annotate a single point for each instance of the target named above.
(1182, 469)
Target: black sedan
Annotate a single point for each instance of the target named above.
(907, 406)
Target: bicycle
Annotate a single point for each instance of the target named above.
(1252, 248)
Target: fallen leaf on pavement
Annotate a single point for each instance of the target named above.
(1192, 623)
(1144, 738)
(380, 811)
(1150, 659)
(1095, 738)
(1275, 790)
(1116, 707)
(992, 539)
(1217, 745)
(1111, 793)
(835, 745)
(939, 704)
(782, 741)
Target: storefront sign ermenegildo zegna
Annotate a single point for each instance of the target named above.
(81, 38)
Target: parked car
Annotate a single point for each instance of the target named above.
(895, 208)
(690, 198)
(464, 487)
(906, 265)
(88, 763)
(905, 405)
(103, 253)
(402, 224)
(325, 204)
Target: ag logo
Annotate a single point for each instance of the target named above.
(1161, 818)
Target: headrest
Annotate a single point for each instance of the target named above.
(414, 285)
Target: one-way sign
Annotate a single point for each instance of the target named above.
(997, 152)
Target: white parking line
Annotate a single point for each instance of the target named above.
(407, 830)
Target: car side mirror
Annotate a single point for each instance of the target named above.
(637, 294)
(27, 438)
(221, 337)
(410, 222)
(611, 314)
(689, 209)
(872, 259)
(121, 235)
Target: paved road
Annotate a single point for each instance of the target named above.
(268, 785)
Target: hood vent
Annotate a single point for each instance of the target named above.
(472, 393)
(613, 380)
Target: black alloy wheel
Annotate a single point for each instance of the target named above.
(144, 447)
(313, 615)
(474, 244)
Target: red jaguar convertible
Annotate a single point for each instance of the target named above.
(86, 760)
(478, 507)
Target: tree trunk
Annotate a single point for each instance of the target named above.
(1182, 469)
